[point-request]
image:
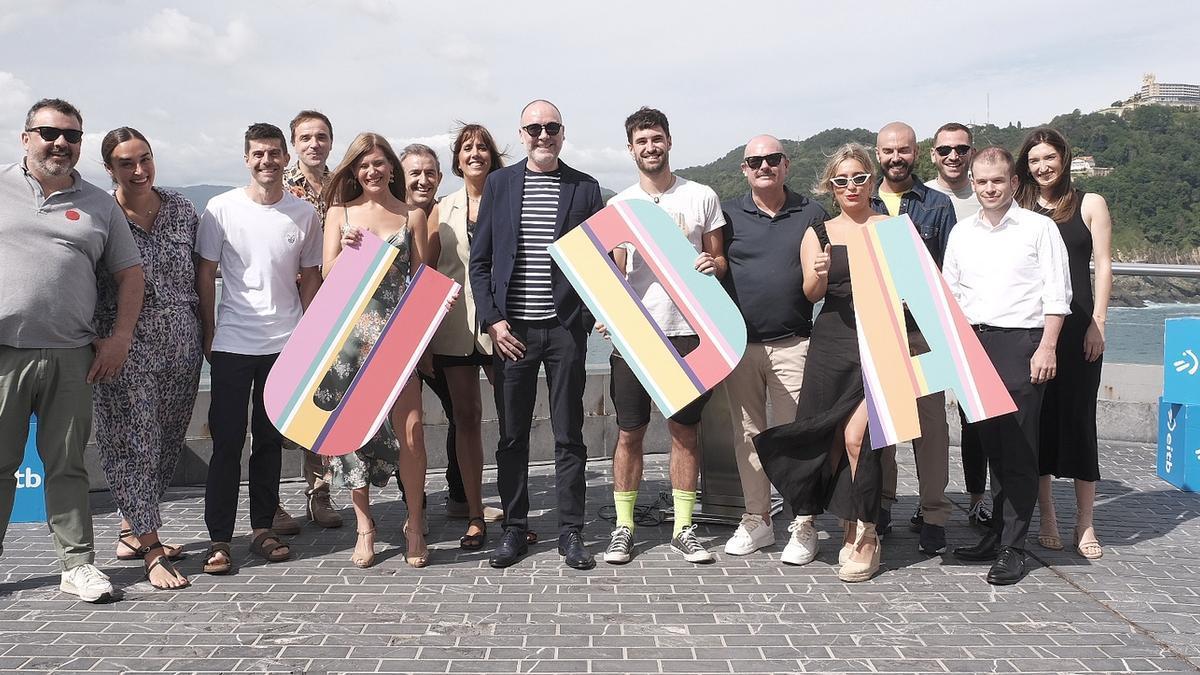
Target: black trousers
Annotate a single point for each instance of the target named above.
(562, 351)
(234, 377)
(454, 482)
(974, 462)
(1010, 442)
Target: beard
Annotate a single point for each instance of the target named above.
(646, 168)
(54, 165)
(901, 166)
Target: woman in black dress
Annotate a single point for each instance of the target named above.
(824, 458)
(1068, 436)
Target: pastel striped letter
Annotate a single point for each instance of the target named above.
(673, 381)
(889, 264)
(322, 332)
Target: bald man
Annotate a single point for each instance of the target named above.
(932, 213)
(535, 318)
(762, 248)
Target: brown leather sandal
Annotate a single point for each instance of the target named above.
(221, 566)
(267, 545)
(164, 562)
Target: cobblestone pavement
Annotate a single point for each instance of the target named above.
(1137, 609)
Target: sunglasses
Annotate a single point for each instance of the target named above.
(51, 134)
(944, 150)
(843, 181)
(756, 161)
(535, 130)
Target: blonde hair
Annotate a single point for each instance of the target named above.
(855, 151)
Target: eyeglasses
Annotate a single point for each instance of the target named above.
(51, 134)
(843, 181)
(944, 150)
(535, 130)
(756, 161)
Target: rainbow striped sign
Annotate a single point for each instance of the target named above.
(889, 264)
(673, 381)
(321, 334)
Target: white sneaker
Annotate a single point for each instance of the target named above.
(802, 546)
(752, 534)
(89, 583)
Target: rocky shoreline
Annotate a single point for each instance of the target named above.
(1138, 291)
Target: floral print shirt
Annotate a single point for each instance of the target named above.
(297, 184)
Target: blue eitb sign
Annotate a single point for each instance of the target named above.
(29, 506)
(1181, 360)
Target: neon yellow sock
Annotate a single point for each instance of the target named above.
(685, 502)
(624, 502)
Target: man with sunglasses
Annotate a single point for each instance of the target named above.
(55, 231)
(535, 318)
(899, 192)
(763, 232)
(952, 154)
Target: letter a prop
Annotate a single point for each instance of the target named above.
(323, 331)
(672, 380)
(889, 264)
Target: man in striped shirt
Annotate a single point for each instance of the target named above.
(535, 318)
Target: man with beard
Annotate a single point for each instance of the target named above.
(422, 174)
(933, 215)
(697, 211)
(1007, 268)
(261, 236)
(951, 154)
(535, 318)
(763, 232)
(312, 139)
(55, 230)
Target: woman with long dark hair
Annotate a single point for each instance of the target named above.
(365, 193)
(1068, 428)
(142, 414)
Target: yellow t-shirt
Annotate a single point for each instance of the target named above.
(892, 201)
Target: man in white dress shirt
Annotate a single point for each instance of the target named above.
(1007, 268)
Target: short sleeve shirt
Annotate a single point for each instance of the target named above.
(259, 248)
(50, 248)
(696, 209)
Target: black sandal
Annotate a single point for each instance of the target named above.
(164, 562)
(173, 553)
(474, 542)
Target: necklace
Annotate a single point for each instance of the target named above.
(658, 196)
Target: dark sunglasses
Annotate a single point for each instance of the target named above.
(51, 134)
(843, 181)
(756, 161)
(535, 130)
(944, 150)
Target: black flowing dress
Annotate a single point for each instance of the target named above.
(1068, 428)
(796, 456)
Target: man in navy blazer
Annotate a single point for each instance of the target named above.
(535, 317)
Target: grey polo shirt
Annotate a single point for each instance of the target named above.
(765, 277)
(50, 247)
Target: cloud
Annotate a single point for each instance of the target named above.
(16, 13)
(173, 32)
(15, 95)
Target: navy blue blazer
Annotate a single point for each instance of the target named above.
(494, 247)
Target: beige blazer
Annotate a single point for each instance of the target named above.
(458, 335)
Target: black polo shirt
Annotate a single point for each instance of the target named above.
(765, 278)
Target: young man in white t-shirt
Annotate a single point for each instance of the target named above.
(697, 211)
(260, 236)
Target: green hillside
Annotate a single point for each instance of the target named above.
(1153, 191)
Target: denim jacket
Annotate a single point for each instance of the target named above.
(930, 211)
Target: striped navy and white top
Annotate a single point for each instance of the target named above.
(530, 297)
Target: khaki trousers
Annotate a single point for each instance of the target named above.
(774, 371)
(931, 452)
(50, 383)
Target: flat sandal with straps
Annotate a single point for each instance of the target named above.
(474, 542)
(267, 544)
(164, 562)
(139, 553)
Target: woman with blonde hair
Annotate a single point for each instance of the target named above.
(824, 459)
(364, 193)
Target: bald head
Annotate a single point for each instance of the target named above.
(543, 108)
(765, 166)
(896, 150)
(545, 141)
(762, 145)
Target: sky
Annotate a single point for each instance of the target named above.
(192, 76)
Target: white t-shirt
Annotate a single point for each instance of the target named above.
(697, 210)
(260, 248)
(966, 204)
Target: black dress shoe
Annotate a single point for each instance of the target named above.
(1008, 568)
(512, 546)
(570, 546)
(986, 549)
